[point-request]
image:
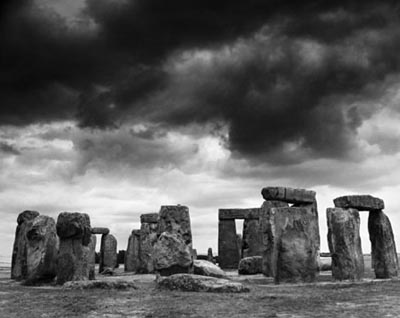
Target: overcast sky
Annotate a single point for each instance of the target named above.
(116, 107)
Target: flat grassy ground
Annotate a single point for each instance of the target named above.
(370, 298)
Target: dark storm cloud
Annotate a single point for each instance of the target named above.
(275, 103)
(8, 149)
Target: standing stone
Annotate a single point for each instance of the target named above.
(268, 234)
(18, 261)
(210, 256)
(175, 219)
(108, 252)
(172, 255)
(42, 249)
(132, 252)
(252, 238)
(295, 252)
(345, 243)
(148, 237)
(73, 260)
(383, 247)
(228, 252)
(92, 257)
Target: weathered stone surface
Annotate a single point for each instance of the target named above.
(175, 219)
(295, 252)
(250, 265)
(149, 218)
(196, 283)
(268, 234)
(132, 252)
(383, 246)
(206, 268)
(234, 214)
(148, 237)
(345, 243)
(100, 230)
(18, 260)
(74, 255)
(92, 257)
(172, 255)
(74, 225)
(99, 284)
(359, 202)
(108, 252)
(252, 238)
(228, 252)
(42, 249)
(210, 256)
(288, 195)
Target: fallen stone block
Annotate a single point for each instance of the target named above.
(196, 283)
(206, 268)
(99, 284)
(250, 265)
(288, 195)
(359, 202)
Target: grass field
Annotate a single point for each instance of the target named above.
(369, 298)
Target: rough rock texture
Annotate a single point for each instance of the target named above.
(42, 249)
(175, 219)
(383, 246)
(73, 259)
(196, 283)
(108, 252)
(268, 234)
(234, 214)
(359, 202)
(98, 284)
(148, 237)
(345, 243)
(18, 261)
(149, 218)
(250, 265)
(252, 238)
(132, 252)
(92, 257)
(172, 255)
(100, 230)
(296, 251)
(228, 252)
(206, 268)
(288, 195)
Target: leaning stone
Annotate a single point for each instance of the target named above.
(345, 243)
(18, 260)
(172, 255)
(228, 251)
(148, 237)
(132, 252)
(359, 202)
(108, 252)
(252, 238)
(288, 195)
(149, 218)
(100, 230)
(196, 283)
(175, 219)
(42, 249)
(250, 265)
(206, 268)
(383, 246)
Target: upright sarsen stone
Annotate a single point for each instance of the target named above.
(175, 219)
(252, 238)
(148, 237)
(19, 261)
(345, 243)
(228, 252)
(132, 252)
(108, 252)
(383, 246)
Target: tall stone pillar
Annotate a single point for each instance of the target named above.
(73, 260)
(252, 238)
(228, 253)
(132, 252)
(345, 243)
(148, 237)
(383, 246)
(92, 257)
(108, 252)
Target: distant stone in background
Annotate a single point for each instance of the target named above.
(92, 257)
(120, 257)
(194, 253)
(206, 268)
(73, 260)
(148, 237)
(359, 202)
(132, 252)
(228, 251)
(100, 230)
(42, 249)
(252, 238)
(175, 219)
(172, 255)
(19, 261)
(108, 252)
(345, 243)
(383, 246)
(250, 265)
(210, 256)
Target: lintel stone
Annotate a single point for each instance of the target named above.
(359, 202)
(289, 195)
(232, 214)
(100, 230)
(149, 218)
